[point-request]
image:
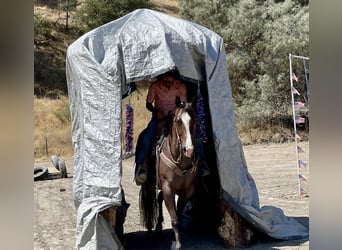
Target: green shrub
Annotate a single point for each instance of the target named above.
(94, 13)
(63, 114)
(42, 27)
(258, 37)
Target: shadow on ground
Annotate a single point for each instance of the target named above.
(198, 240)
(140, 240)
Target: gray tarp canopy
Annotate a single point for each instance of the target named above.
(141, 45)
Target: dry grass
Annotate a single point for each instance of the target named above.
(170, 7)
(52, 132)
(52, 135)
(51, 15)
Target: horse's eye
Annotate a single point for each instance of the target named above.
(179, 121)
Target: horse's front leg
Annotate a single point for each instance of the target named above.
(169, 199)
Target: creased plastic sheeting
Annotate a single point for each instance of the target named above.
(272, 221)
(235, 180)
(140, 45)
(95, 107)
(93, 231)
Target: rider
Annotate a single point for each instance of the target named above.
(163, 93)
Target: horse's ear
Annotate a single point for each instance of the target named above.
(178, 102)
(193, 101)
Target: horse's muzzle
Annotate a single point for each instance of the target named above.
(188, 152)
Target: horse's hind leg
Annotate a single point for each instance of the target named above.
(159, 226)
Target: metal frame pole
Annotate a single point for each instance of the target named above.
(294, 122)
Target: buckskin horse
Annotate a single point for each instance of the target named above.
(176, 169)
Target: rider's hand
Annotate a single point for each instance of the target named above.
(151, 108)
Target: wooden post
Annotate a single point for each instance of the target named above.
(110, 215)
(235, 231)
(46, 146)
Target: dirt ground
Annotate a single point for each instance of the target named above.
(273, 167)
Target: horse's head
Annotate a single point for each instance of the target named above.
(185, 127)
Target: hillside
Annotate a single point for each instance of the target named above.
(51, 109)
(53, 40)
(52, 132)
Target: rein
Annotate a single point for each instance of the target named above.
(170, 161)
(179, 147)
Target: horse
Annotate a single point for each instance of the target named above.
(175, 173)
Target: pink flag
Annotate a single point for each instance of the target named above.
(300, 119)
(299, 105)
(302, 164)
(300, 150)
(297, 136)
(294, 77)
(302, 191)
(302, 177)
(294, 91)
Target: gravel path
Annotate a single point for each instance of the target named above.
(273, 167)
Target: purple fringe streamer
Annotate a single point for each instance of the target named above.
(201, 119)
(129, 128)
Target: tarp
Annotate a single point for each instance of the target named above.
(138, 46)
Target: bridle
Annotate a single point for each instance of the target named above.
(179, 142)
(167, 156)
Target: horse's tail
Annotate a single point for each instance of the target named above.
(148, 204)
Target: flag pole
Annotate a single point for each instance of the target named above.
(294, 122)
(302, 57)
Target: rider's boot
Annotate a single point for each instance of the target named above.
(204, 170)
(140, 174)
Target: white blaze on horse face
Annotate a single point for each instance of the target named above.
(189, 148)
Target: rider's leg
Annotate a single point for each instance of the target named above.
(203, 167)
(143, 147)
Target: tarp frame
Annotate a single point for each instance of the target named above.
(138, 46)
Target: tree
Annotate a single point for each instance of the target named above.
(258, 36)
(67, 6)
(94, 13)
(62, 6)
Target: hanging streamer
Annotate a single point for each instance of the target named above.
(307, 87)
(201, 115)
(129, 124)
